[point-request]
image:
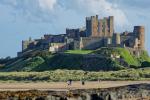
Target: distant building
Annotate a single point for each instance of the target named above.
(97, 33)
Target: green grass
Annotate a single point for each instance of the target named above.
(75, 75)
(144, 56)
(79, 51)
(128, 57)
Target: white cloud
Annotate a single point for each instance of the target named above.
(56, 11)
(47, 4)
(102, 8)
(86, 8)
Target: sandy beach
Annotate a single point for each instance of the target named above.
(62, 86)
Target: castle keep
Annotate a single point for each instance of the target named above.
(97, 33)
(99, 27)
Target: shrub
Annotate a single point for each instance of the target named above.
(145, 64)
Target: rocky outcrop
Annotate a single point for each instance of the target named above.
(131, 92)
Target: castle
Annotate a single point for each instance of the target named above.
(97, 33)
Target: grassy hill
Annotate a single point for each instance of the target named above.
(88, 60)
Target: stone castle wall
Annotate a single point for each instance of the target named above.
(91, 42)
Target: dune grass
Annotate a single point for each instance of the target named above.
(75, 75)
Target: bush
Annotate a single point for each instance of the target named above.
(145, 64)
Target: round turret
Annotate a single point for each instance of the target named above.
(139, 32)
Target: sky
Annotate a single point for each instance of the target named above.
(21, 19)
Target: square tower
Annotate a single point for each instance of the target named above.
(92, 26)
(106, 26)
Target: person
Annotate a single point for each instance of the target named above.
(69, 82)
(99, 80)
(83, 83)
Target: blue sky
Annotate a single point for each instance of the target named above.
(21, 19)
